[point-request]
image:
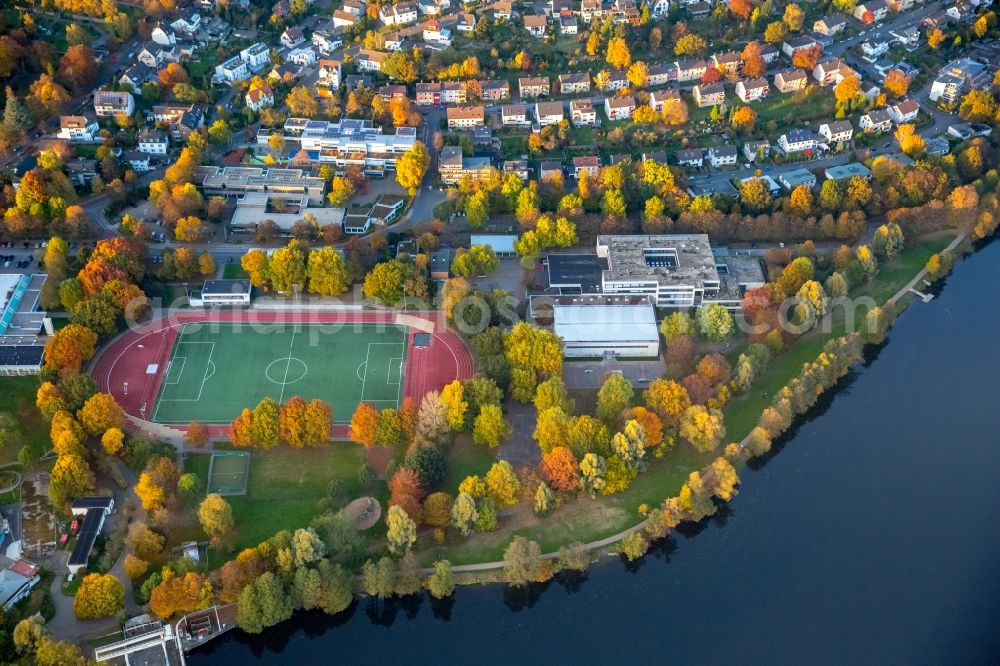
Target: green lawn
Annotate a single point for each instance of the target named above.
(785, 108)
(285, 486)
(465, 459)
(17, 396)
(234, 272)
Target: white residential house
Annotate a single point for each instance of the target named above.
(393, 41)
(660, 74)
(568, 25)
(831, 72)
(751, 90)
(619, 108)
(260, 97)
(466, 22)
(401, 13)
(151, 55)
(292, 37)
(135, 76)
(535, 25)
(908, 37)
(435, 34)
(876, 121)
(514, 114)
(109, 103)
(549, 113)
(342, 19)
(797, 141)
(356, 7)
(658, 99)
(256, 56)
(466, 116)
(575, 82)
(589, 165)
(329, 74)
(829, 26)
(582, 112)
(163, 35)
(871, 12)
(691, 157)
(303, 57)
(873, 49)
(904, 112)
(138, 161)
(232, 70)
(326, 41)
(756, 151)
(153, 142)
(370, 61)
(428, 7)
(720, 156)
(78, 129)
(837, 131)
(657, 8)
(187, 25)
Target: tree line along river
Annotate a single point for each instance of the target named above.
(869, 535)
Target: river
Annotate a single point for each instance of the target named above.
(869, 536)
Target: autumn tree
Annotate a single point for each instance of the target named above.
(363, 424)
(263, 603)
(302, 103)
(743, 119)
(100, 413)
(560, 468)
(99, 595)
(793, 17)
(702, 427)
(146, 543)
(112, 440)
(502, 484)
(328, 273)
(401, 530)
(68, 349)
(690, 45)
(807, 57)
(714, 321)
(775, 32)
(441, 583)
(896, 83)
(753, 60)
(411, 167)
(741, 8)
(490, 428)
(71, 477)
(464, 513)
(614, 395)
(667, 399)
(618, 54)
(910, 142)
(524, 564)
(215, 516)
(78, 67)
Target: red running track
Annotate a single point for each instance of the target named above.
(121, 367)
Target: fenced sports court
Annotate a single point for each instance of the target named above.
(229, 473)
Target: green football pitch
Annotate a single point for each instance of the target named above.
(215, 371)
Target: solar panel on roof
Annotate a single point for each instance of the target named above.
(88, 535)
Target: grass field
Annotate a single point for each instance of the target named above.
(17, 397)
(285, 486)
(214, 372)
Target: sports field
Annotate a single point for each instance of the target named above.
(216, 371)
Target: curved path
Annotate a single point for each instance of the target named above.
(125, 366)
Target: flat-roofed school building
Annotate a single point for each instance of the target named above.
(590, 331)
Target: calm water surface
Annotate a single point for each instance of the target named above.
(870, 536)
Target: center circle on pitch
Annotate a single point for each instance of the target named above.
(286, 370)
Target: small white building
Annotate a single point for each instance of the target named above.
(292, 37)
(153, 142)
(720, 156)
(303, 57)
(260, 98)
(221, 293)
(619, 108)
(233, 70)
(904, 112)
(256, 56)
(78, 129)
(596, 331)
(110, 103)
